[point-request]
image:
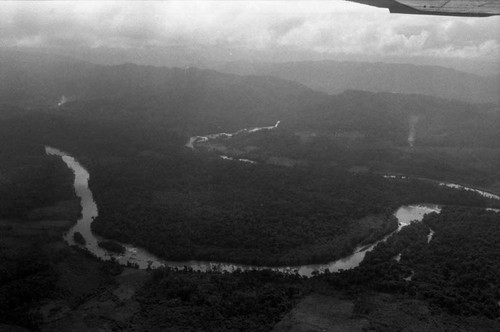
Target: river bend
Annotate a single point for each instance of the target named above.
(405, 215)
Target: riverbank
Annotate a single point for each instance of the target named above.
(142, 259)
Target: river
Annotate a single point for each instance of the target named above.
(196, 139)
(201, 139)
(139, 256)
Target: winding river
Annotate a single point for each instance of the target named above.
(196, 139)
(199, 139)
(405, 215)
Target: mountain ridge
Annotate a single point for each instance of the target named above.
(334, 77)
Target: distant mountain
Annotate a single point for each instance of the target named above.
(335, 77)
(195, 101)
(185, 99)
(29, 78)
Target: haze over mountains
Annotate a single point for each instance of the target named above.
(217, 56)
(54, 76)
(178, 96)
(196, 101)
(334, 77)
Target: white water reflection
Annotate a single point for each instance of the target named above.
(199, 139)
(446, 184)
(480, 192)
(401, 177)
(240, 160)
(407, 214)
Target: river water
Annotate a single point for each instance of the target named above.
(199, 139)
(195, 139)
(482, 193)
(139, 256)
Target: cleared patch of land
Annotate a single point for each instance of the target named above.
(318, 313)
(321, 312)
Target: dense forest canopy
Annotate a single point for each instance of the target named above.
(36, 197)
(30, 180)
(316, 192)
(457, 270)
(241, 301)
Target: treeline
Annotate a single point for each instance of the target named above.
(27, 276)
(460, 268)
(212, 301)
(30, 179)
(458, 271)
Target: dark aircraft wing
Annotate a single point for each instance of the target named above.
(438, 7)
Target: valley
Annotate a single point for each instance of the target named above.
(240, 202)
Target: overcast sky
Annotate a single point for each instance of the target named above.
(320, 26)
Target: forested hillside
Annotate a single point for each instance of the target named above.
(37, 203)
(181, 99)
(428, 121)
(457, 271)
(30, 180)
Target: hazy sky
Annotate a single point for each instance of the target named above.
(322, 26)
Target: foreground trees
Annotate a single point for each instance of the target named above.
(458, 271)
(241, 301)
